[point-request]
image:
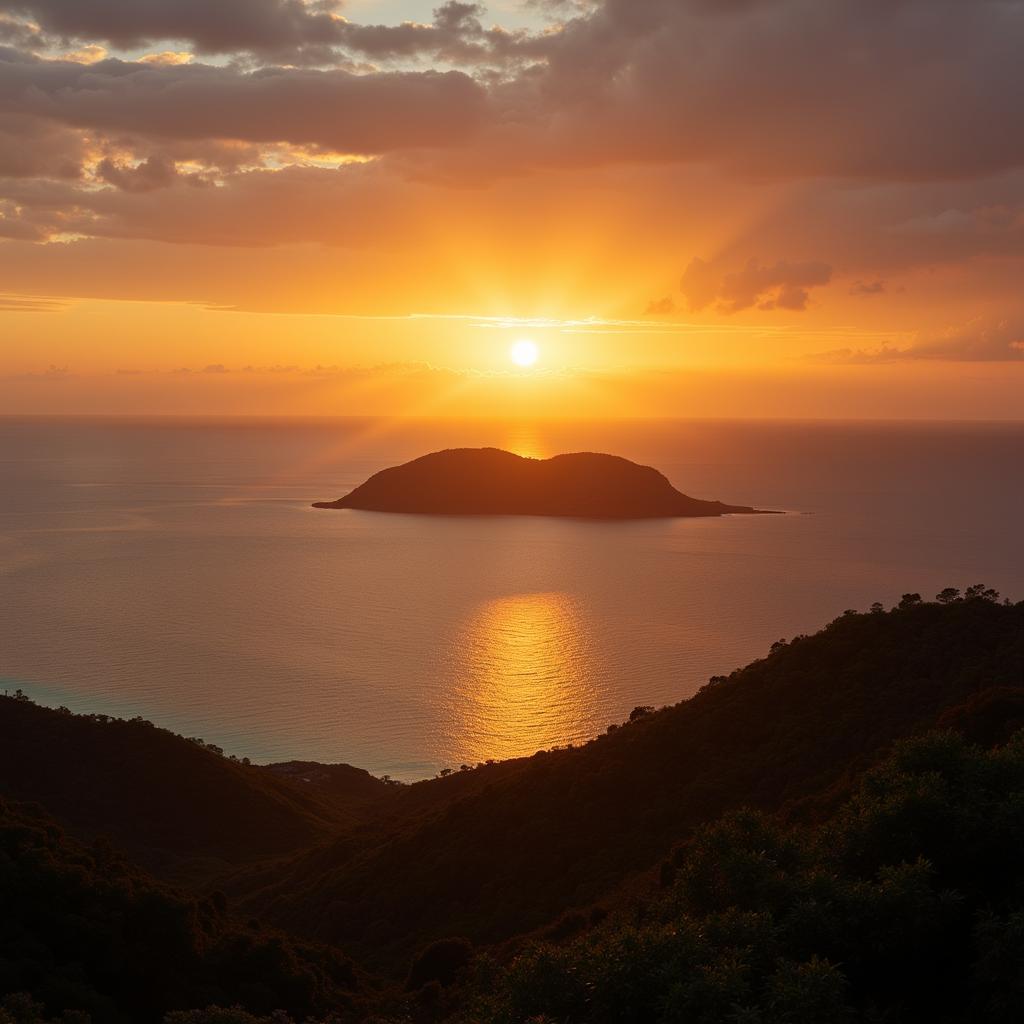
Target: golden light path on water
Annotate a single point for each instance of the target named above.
(282, 632)
(523, 680)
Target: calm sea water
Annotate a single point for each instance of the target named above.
(176, 570)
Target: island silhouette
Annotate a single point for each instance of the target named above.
(490, 481)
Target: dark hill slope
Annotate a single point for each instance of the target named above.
(163, 797)
(82, 930)
(504, 849)
(522, 841)
(907, 906)
(488, 481)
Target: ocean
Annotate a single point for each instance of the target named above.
(175, 570)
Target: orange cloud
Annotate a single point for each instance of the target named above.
(784, 285)
(563, 170)
(980, 341)
(167, 57)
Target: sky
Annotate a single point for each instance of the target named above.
(763, 208)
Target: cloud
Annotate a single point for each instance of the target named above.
(979, 341)
(52, 374)
(456, 35)
(336, 109)
(18, 33)
(787, 88)
(31, 304)
(791, 87)
(223, 26)
(784, 285)
(660, 307)
(91, 54)
(354, 206)
(169, 57)
(152, 173)
(284, 30)
(976, 222)
(866, 289)
(33, 147)
(844, 128)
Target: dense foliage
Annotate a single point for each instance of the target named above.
(907, 907)
(506, 849)
(82, 930)
(168, 800)
(545, 889)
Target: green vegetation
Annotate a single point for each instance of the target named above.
(865, 788)
(81, 929)
(908, 906)
(506, 849)
(173, 803)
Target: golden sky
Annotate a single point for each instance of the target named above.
(692, 207)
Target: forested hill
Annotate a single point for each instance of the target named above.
(84, 931)
(511, 847)
(493, 853)
(906, 907)
(166, 799)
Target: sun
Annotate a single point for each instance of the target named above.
(524, 352)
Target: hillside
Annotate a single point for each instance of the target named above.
(907, 906)
(82, 930)
(514, 845)
(168, 800)
(488, 481)
(574, 846)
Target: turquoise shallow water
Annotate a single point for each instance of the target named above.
(175, 570)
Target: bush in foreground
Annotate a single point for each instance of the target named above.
(907, 908)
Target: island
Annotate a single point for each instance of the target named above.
(489, 481)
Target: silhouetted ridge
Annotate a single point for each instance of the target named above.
(821, 895)
(488, 481)
(85, 931)
(907, 906)
(506, 848)
(165, 798)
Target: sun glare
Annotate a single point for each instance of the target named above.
(524, 352)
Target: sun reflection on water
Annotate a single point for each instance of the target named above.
(524, 679)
